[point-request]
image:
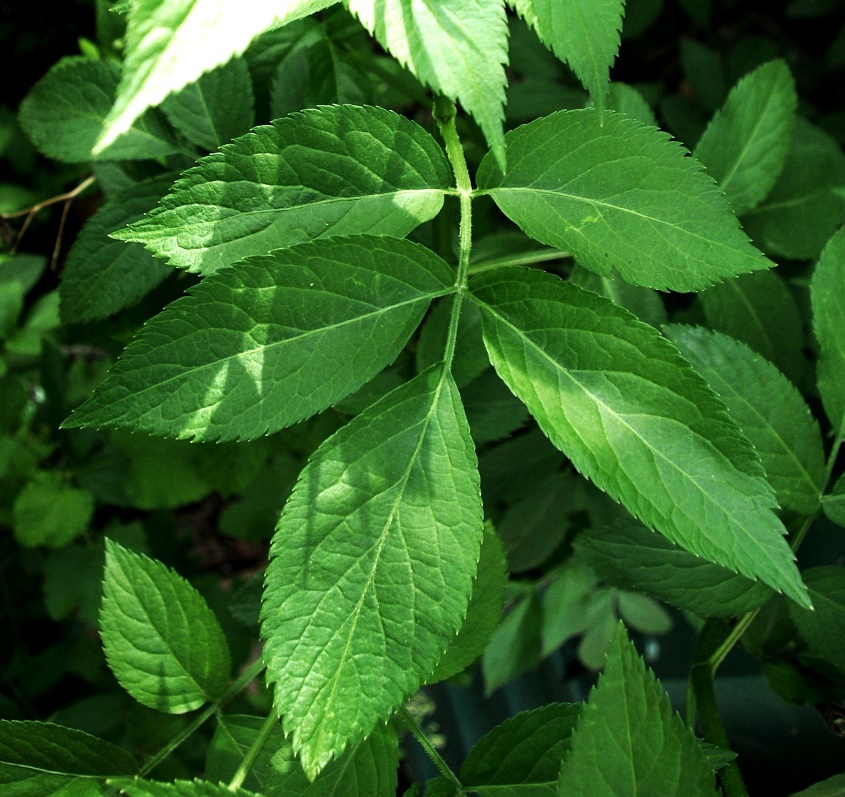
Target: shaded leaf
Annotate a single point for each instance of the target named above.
(329, 171)
(162, 642)
(824, 628)
(371, 567)
(834, 503)
(514, 645)
(632, 415)
(619, 195)
(745, 145)
(179, 788)
(628, 740)
(631, 557)
(271, 341)
(48, 511)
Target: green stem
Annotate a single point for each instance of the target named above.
(444, 114)
(249, 759)
(521, 259)
(417, 732)
(701, 679)
(237, 686)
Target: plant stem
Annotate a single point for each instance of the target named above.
(245, 678)
(701, 680)
(413, 726)
(249, 759)
(445, 113)
(521, 259)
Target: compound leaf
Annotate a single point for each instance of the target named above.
(632, 415)
(628, 740)
(631, 557)
(216, 108)
(371, 566)
(39, 759)
(336, 170)
(103, 276)
(270, 341)
(619, 195)
(458, 47)
(827, 291)
(63, 112)
(162, 642)
(583, 33)
(170, 43)
(769, 409)
(745, 145)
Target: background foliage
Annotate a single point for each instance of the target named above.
(133, 564)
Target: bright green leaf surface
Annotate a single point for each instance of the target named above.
(48, 511)
(216, 108)
(824, 628)
(337, 170)
(619, 194)
(521, 757)
(827, 291)
(807, 203)
(170, 43)
(103, 276)
(583, 33)
(631, 557)
(745, 145)
(270, 341)
(367, 769)
(40, 759)
(771, 412)
(759, 309)
(458, 47)
(628, 740)
(179, 788)
(162, 642)
(631, 414)
(371, 567)
(63, 113)
(483, 612)
(626, 99)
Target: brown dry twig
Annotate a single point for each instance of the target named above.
(31, 212)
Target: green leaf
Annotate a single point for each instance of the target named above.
(628, 740)
(63, 112)
(565, 604)
(769, 409)
(338, 170)
(807, 203)
(583, 33)
(270, 341)
(745, 145)
(170, 43)
(643, 614)
(457, 47)
(827, 292)
(470, 355)
(521, 757)
(644, 303)
(483, 612)
(514, 645)
(371, 567)
(619, 194)
(179, 788)
(631, 557)
(102, 276)
(40, 759)
(216, 108)
(632, 415)
(834, 503)
(831, 787)
(626, 99)
(233, 737)
(367, 769)
(760, 310)
(824, 628)
(162, 642)
(48, 511)
(492, 410)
